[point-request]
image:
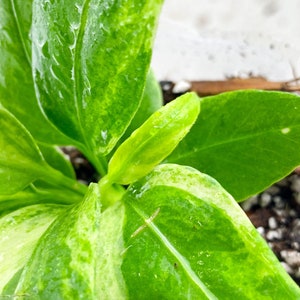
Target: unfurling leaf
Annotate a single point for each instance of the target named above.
(154, 140)
(151, 102)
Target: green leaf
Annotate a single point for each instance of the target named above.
(154, 140)
(26, 197)
(83, 248)
(37, 193)
(151, 101)
(111, 284)
(69, 248)
(176, 233)
(16, 84)
(19, 233)
(57, 159)
(90, 71)
(20, 157)
(21, 161)
(185, 237)
(247, 140)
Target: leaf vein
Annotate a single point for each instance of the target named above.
(76, 63)
(13, 8)
(197, 150)
(183, 262)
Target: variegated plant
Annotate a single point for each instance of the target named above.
(76, 72)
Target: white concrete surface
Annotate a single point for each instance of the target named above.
(200, 39)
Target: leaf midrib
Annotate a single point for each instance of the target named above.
(76, 63)
(234, 140)
(16, 19)
(183, 262)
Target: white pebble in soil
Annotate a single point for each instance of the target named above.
(272, 223)
(261, 230)
(287, 267)
(279, 203)
(273, 235)
(283, 214)
(181, 87)
(79, 161)
(265, 199)
(295, 234)
(166, 86)
(295, 186)
(296, 245)
(249, 203)
(291, 257)
(293, 213)
(296, 224)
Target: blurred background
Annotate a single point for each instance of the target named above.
(217, 39)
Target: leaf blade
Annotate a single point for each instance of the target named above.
(111, 284)
(246, 140)
(72, 87)
(209, 231)
(154, 140)
(71, 243)
(152, 101)
(20, 156)
(57, 159)
(19, 233)
(16, 84)
(22, 163)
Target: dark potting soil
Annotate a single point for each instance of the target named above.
(275, 212)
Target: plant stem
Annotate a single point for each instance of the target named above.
(99, 162)
(110, 192)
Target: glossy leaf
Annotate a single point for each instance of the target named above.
(16, 84)
(26, 197)
(38, 193)
(185, 237)
(57, 159)
(21, 161)
(151, 101)
(69, 248)
(19, 233)
(247, 140)
(90, 71)
(154, 140)
(20, 158)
